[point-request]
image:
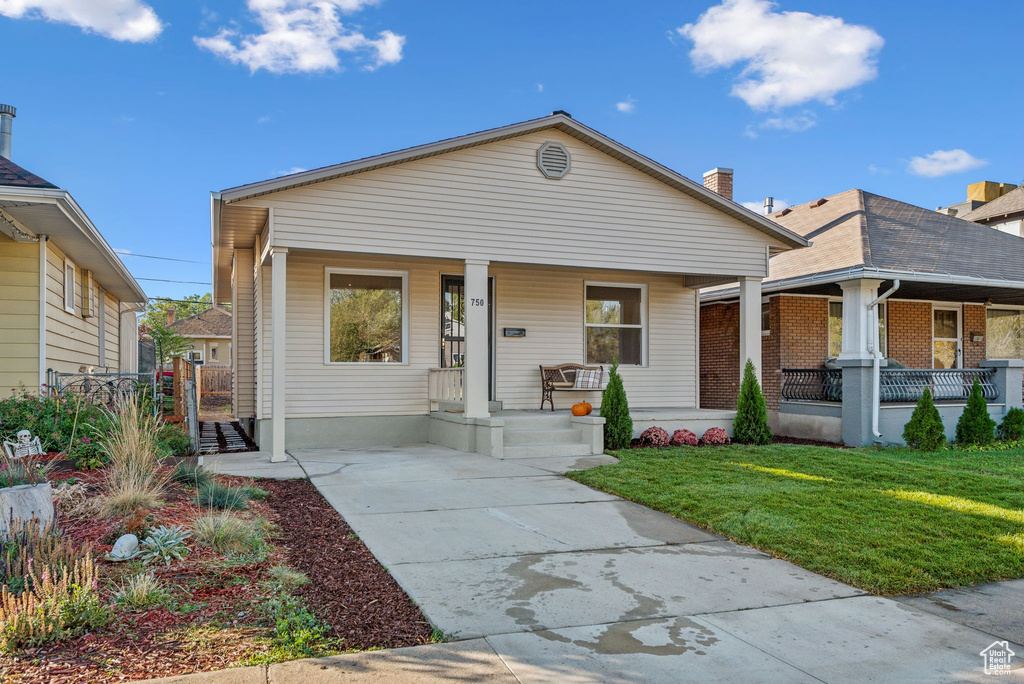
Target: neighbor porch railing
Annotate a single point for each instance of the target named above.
(812, 384)
(895, 384)
(907, 384)
(444, 385)
(103, 388)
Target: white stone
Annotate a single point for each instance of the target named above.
(24, 503)
(125, 548)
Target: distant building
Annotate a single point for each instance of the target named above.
(998, 205)
(210, 333)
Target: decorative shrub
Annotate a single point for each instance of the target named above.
(141, 591)
(288, 578)
(683, 438)
(222, 497)
(191, 475)
(133, 478)
(654, 437)
(63, 424)
(1012, 427)
(715, 437)
(751, 423)
(165, 544)
(924, 430)
(976, 426)
(618, 425)
(42, 547)
(52, 606)
(73, 500)
(173, 441)
(227, 532)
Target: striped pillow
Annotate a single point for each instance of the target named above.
(588, 379)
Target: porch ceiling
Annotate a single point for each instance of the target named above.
(239, 227)
(930, 292)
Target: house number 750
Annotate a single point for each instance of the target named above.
(476, 302)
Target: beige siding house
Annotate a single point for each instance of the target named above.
(209, 332)
(413, 295)
(67, 303)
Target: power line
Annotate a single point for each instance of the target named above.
(185, 282)
(163, 258)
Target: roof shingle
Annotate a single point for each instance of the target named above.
(12, 174)
(215, 322)
(1010, 203)
(860, 229)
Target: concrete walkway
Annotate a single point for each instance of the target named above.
(537, 578)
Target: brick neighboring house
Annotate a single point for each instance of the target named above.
(958, 305)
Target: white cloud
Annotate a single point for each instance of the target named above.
(540, 87)
(793, 124)
(878, 170)
(265, 119)
(627, 106)
(132, 21)
(303, 36)
(944, 162)
(758, 207)
(288, 172)
(789, 57)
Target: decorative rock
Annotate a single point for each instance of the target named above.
(125, 548)
(24, 503)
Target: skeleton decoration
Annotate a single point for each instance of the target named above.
(27, 445)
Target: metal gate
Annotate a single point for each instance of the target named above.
(453, 325)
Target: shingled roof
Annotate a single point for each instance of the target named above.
(215, 322)
(1010, 203)
(12, 174)
(858, 229)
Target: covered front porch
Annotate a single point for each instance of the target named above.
(459, 366)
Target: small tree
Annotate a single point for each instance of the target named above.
(618, 425)
(975, 425)
(751, 423)
(925, 430)
(168, 342)
(1012, 427)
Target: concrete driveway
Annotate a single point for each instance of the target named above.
(567, 584)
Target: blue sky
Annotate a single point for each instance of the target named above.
(141, 107)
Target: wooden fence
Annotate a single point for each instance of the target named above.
(215, 381)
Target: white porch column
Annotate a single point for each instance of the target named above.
(279, 349)
(475, 371)
(750, 324)
(857, 328)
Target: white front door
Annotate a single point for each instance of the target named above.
(946, 352)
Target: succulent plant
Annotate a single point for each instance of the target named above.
(165, 543)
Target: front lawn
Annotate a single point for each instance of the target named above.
(891, 521)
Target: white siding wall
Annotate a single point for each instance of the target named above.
(492, 202)
(548, 302)
(129, 343)
(19, 315)
(242, 360)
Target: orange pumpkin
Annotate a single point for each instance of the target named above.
(582, 409)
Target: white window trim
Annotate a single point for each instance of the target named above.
(404, 275)
(101, 327)
(959, 332)
(644, 332)
(70, 290)
(828, 328)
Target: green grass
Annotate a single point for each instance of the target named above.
(892, 521)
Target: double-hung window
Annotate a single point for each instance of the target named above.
(615, 324)
(366, 316)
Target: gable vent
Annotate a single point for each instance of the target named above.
(553, 160)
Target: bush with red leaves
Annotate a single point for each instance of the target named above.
(715, 437)
(654, 437)
(683, 438)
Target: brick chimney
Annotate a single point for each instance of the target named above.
(170, 315)
(719, 180)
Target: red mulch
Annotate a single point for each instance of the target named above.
(349, 589)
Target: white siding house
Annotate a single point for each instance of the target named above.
(478, 255)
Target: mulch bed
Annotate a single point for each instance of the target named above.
(808, 442)
(219, 615)
(349, 589)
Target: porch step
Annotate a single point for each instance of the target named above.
(557, 436)
(536, 421)
(544, 450)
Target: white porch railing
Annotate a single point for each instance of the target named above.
(444, 386)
